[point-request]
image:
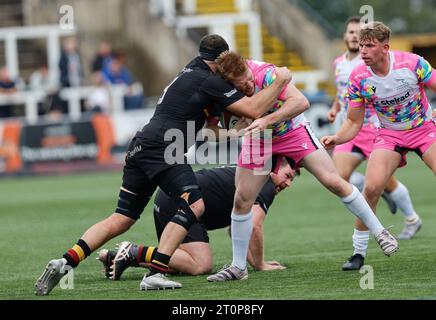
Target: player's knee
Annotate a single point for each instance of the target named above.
(125, 224)
(131, 205)
(184, 217)
(201, 268)
(372, 191)
(194, 199)
(198, 208)
(337, 185)
(204, 269)
(191, 207)
(241, 203)
(119, 224)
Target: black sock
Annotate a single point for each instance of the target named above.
(159, 264)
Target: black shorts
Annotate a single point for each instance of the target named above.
(148, 157)
(165, 209)
(142, 174)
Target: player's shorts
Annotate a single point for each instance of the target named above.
(361, 145)
(149, 156)
(294, 146)
(418, 139)
(164, 211)
(173, 179)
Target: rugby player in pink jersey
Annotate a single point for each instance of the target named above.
(293, 140)
(348, 156)
(393, 83)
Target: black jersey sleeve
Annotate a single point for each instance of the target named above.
(221, 92)
(266, 196)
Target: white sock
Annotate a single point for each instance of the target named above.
(401, 197)
(357, 204)
(360, 242)
(357, 179)
(242, 227)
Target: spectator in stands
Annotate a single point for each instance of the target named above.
(103, 56)
(115, 73)
(7, 87)
(99, 100)
(40, 80)
(70, 64)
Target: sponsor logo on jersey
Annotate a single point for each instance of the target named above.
(401, 80)
(403, 84)
(134, 151)
(394, 101)
(230, 93)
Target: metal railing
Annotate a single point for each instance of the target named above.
(73, 96)
(52, 33)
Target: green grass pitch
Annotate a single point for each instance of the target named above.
(307, 229)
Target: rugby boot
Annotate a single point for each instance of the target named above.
(123, 259)
(229, 273)
(158, 281)
(410, 230)
(53, 273)
(355, 262)
(387, 242)
(106, 257)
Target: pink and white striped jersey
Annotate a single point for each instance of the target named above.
(342, 69)
(398, 98)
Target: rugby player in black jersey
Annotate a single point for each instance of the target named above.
(148, 163)
(194, 256)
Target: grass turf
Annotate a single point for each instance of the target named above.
(307, 229)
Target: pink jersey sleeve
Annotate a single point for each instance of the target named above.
(421, 67)
(265, 76)
(424, 71)
(432, 79)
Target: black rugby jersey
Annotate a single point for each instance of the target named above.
(184, 99)
(218, 189)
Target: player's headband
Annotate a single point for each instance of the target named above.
(211, 54)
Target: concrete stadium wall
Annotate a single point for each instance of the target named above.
(162, 54)
(99, 16)
(292, 26)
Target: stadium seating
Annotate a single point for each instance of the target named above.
(215, 6)
(274, 50)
